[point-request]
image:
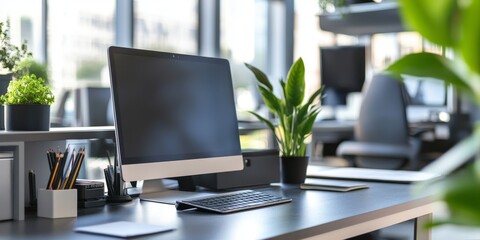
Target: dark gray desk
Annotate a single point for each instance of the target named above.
(324, 215)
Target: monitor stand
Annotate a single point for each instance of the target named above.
(157, 191)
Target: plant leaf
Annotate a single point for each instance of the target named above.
(306, 127)
(282, 84)
(470, 34)
(462, 196)
(287, 105)
(302, 113)
(315, 95)
(267, 122)
(261, 77)
(429, 65)
(295, 86)
(272, 102)
(434, 20)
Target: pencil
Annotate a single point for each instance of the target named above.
(50, 163)
(59, 172)
(108, 157)
(52, 176)
(67, 171)
(78, 165)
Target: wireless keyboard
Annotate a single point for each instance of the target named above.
(232, 201)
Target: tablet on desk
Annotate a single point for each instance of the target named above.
(123, 229)
(366, 174)
(331, 185)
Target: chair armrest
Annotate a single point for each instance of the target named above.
(418, 132)
(365, 149)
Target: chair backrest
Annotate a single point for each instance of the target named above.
(92, 106)
(383, 117)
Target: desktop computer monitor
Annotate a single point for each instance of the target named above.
(342, 72)
(174, 114)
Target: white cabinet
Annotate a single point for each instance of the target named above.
(6, 185)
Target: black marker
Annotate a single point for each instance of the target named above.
(32, 188)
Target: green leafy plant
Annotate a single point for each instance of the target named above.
(28, 90)
(340, 7)
(10, 55)
(325, 5)
(29, 66)
(295, 118)
(453, 25)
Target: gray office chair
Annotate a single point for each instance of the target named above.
(382, 134)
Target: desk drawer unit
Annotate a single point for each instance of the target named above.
(6, 187)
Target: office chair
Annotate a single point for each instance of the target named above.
(382, 133)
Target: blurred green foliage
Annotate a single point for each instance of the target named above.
(28, 90)
(454, 25)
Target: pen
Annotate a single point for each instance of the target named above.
(116, 184)
(118, 190)
(110, 168)
(108, 179)
(32, 188)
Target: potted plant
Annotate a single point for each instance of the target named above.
(10, 56)
(295, 118)
(451, 25)
(27, 104)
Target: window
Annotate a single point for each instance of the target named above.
(243, 39)
(79, 33)
(164, 25)
(25, 24)
(308, 40)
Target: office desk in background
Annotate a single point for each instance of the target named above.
(326, 136)
(311, 215)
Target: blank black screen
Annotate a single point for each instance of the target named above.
(343, 68)
(172, 107)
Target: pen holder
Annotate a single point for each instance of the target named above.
(115, 185)
(57, 203)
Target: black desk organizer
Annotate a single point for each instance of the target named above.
(115, 185)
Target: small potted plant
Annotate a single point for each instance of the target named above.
(295, 118)
(10, 56)
(27, 104)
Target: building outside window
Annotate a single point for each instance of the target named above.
(164, 25)
(243, 39)
(78, 37)
(25, 24)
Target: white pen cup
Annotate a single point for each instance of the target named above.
(57, 203)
